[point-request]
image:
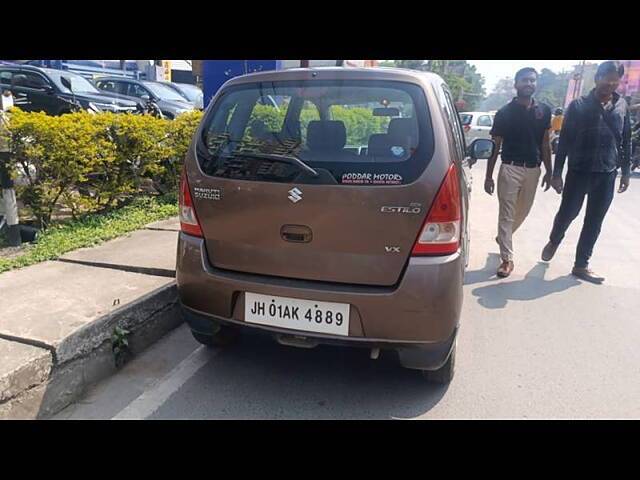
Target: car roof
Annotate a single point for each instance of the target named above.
(24, 67)
(44, 70)
(129, 79)
(476, 113)
(332, 73)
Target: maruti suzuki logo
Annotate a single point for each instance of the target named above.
(295, 195)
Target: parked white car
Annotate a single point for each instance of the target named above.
(476, 125)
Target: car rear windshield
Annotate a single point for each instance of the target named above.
(350, 132)
(466, 118)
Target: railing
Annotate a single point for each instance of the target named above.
(94, 72)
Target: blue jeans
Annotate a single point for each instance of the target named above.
(599, 188)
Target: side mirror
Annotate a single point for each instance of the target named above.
(481, 149)
(48, 88)
(145, 97)
(66, 82)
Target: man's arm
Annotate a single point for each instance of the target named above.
(546, 160)
(489, 185)
(567, 138)
(497, 134)
(625, 169)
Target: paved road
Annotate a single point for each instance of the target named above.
(540, 344)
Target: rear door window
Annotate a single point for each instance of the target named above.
(107, 86)
(453, 120)
(135, 90)
(352, 132)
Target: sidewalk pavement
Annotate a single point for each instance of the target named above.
(57, 317)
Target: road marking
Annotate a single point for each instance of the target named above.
(148, 402)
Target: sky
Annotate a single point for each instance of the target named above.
(495, 70)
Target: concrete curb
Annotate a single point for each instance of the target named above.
(48, 380)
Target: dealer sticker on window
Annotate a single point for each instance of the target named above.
(372, 178)
(296, 314)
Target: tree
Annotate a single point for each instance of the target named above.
(502, 94)
(410, 64)
(552, 87)
(465, 83)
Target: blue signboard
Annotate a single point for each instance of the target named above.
(216, 72)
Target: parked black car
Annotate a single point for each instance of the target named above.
(171, 103)
(41, 90)
(192, 93)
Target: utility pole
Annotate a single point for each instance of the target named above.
(577, 86)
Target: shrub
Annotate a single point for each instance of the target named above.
(87, 162)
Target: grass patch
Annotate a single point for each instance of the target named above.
(93, 230)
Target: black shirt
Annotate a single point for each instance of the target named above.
(522, 130)
(595, 139)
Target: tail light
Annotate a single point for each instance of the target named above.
(466, 128)
(188, 219)
(440, 234)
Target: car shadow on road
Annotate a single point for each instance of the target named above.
(259, 379)
(532, 287)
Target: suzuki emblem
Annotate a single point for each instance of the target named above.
(295, 195)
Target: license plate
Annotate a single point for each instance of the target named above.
(296, 314)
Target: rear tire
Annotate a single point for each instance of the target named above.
(223, 337)
(444, 374)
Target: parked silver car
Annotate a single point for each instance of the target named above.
(476, 125)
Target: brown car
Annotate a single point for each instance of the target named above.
(329, 205)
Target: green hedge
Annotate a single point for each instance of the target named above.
(87, 163)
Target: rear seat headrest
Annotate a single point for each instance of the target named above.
(326, 135)
(386, 145)
(404, 127)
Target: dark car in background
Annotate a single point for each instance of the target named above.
(191, 92)
(41, 90)
(170, 102)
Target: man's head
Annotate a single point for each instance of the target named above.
(526, 80)
(608, 77)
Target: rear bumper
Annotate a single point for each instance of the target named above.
(419, 356)
(422, 311)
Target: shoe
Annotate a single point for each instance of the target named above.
(588, 275)
(549, 251)
(505, 269)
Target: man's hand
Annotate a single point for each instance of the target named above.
(556, 183)
(546, 180)
(489, 186)
(624, 184)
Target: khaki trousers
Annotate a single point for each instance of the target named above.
(516, 191)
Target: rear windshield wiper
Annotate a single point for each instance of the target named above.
(291, 160)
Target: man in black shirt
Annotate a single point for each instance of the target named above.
(596, 136)
(521, 128)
